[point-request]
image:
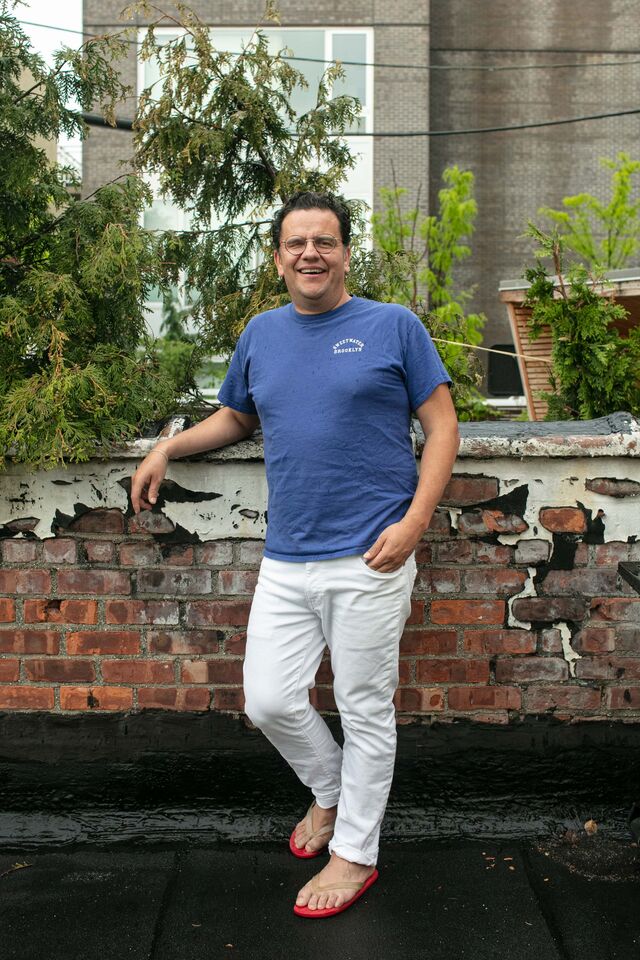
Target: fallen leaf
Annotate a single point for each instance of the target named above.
(591, 827)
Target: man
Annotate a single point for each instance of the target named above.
(332, 379)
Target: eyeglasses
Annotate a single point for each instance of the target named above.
(323, 244)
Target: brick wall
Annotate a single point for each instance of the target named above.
(517, 606)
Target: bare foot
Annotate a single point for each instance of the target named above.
(319, 818)
(336, 871)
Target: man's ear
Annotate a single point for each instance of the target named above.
(276, 260)
(347, 259)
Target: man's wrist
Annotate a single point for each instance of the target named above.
(420, 522)
(162, 450)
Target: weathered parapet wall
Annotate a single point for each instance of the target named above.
(518, 609)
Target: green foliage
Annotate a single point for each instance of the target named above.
(606, 236)
(595, 370)
(420, 255)
(74, 275)
(219, 132)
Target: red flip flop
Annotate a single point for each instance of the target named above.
(332, 911)
(300, 852)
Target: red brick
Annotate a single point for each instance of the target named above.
(440, 523)
(185, 641)
(424, 552)
(452, 671)
(324, 673)
(140, 553)
(539, 699)
(605, 608)
(212, 671)
(100, 551)
(627, 638)
(528, 669)
(177, 554)
(608, 668)
(405, 672)
(455, 551)
(499, 583)
(103, 642)
(623, 698)
(98, 521)
(532, 552)
(498, 522)
(60, 611)
(25, 581)
(174, 583)
(174, 698)
(96, 698)
(151, 523)
(7, 610)
(23, 524)
(579, 583)
(595, 640)
(9, 671)
(496, 553)
(60, 671)
(322, 698)
(237, 581)
(439, 581)
(59, 551)
(138, 671)
(217, 553)
(484, 698)
(550, 640)
(26, 698)
(233, 613)
(19, 551)
(93, 582)
(141, 611)
(581, 556)
(535, 609)
(463, 490)
(612, 487)
(228, 698)
(419, 700)
(417, 612)
(29, 641)
(513, 642)
(610, 554)
(236, 644)
(428, 641)
(467, 611)
(471, 524)
(563, 519)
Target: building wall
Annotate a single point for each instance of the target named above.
(517, 608)
(401, 35)
(518, 172)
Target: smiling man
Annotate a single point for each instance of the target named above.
(332, 379)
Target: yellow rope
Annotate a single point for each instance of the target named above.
(505, 353)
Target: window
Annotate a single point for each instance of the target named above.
(316, 47)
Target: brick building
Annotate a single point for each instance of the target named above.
(580, 67)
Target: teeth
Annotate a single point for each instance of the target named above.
(311, 271)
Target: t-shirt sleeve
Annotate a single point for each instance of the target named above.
(235, 391)
(424, 368)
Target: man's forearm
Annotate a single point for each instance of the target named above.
(220, 429)
(436, 465)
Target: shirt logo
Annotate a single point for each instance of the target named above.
(350, 345)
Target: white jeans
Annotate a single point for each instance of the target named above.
(360, 614)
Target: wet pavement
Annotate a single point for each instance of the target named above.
(574, 898)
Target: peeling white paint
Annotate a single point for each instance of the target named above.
(454, 513)
(528, 590)
(563, 485)
(568, 652)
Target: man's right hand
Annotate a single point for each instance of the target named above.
(146, 481)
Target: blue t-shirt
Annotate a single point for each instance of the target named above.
(334, 392)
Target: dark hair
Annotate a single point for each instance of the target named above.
(308, 200)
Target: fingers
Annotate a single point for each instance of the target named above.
(146, 484)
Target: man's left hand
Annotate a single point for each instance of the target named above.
(394, 545)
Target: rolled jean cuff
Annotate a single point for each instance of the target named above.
(326, 803)
(352, 854)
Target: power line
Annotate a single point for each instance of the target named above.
(96, 120)
(489, 68)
